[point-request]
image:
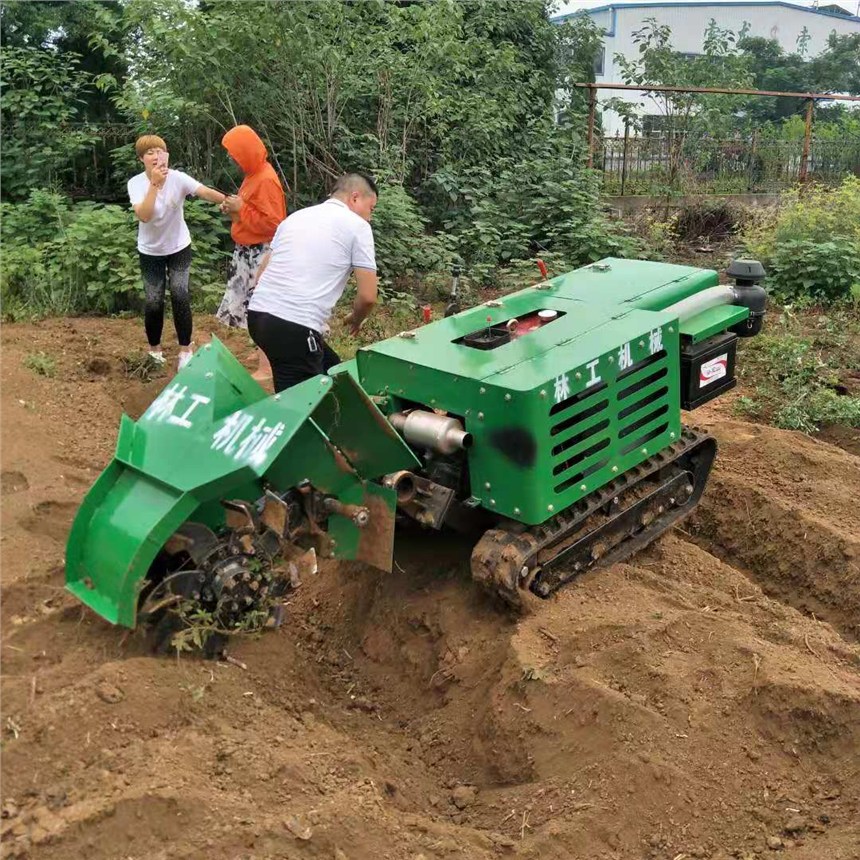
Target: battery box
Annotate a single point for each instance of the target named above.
(707, 369)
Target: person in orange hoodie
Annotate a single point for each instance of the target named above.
(256, 211)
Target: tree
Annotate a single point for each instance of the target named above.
(683, 114)
(402, 89)
(659, 64)
(40, 105)
(580, 43)
(835, 70)
(89, 32)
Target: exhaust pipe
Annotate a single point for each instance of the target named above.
(439, 433)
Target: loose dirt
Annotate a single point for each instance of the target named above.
(700, 701)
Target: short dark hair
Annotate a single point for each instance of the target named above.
(360, 182)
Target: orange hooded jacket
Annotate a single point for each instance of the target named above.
(263, 204)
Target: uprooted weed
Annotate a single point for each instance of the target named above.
(141, 365)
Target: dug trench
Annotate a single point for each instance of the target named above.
(701, 700)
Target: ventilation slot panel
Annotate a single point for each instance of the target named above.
(654, 393)
(581, 476)
(645, 363)
(576, 399)
(582, 433)
(645, 438)
(580, 457)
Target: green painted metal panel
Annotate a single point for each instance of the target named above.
(350, 366)
(211, 434)
(513, 401)
(374, 543)
(354, 423)
(433, 346)
(713, 321)
(638, 283)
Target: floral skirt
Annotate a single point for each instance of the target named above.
(243, 266)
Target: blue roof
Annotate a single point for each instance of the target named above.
(722, 3)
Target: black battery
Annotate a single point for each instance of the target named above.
(707, 369)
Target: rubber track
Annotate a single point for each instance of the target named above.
(500, 556)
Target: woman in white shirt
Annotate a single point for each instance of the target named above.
(158, 196)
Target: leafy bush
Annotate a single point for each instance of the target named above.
(543, 202)
(41, 95)
(210, 242)
(811, 244)
(403, 249)
(45, 214)
(63, 258)
(97, 255)
(802, 269)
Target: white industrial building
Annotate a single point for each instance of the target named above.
(785, 22)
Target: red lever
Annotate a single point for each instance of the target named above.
(542, 266)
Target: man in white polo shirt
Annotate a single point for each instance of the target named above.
(304, 274)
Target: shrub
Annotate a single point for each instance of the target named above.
(545, 201)
(40, 102)
(402, 247)
(63, 258)
(801, 269)
(97, 256)
(811, 244)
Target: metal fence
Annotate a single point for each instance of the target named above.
(698, 164)
(631, 164)
(658, 164)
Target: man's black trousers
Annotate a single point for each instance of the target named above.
(295, 352)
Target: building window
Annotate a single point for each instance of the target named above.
(689, 55)
(599, 60)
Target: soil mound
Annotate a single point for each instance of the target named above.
(700, 701)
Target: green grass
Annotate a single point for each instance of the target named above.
(41, 364)
(801, 373)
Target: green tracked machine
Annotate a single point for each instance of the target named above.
(547, 423)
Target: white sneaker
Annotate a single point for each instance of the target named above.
(184, 358)
(157, 357)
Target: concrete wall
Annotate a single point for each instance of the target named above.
(630, 204)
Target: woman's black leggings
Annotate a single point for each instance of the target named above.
(157, 273)
(295, 352)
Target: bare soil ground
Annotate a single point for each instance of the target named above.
(700, 701)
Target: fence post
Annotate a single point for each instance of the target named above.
(592, 108)
(751, 166)
(807, 137)
(624, 156)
